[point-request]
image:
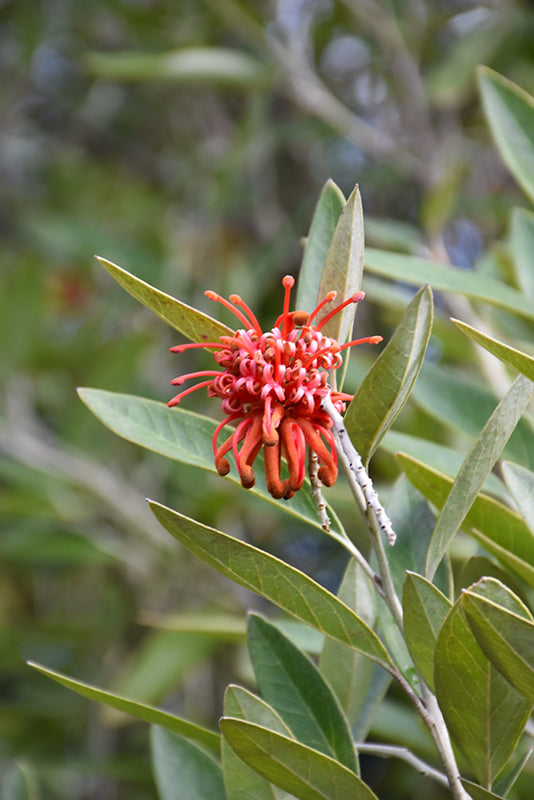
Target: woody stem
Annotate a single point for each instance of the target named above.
(368, 503)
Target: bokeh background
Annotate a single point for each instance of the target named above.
(188, 140)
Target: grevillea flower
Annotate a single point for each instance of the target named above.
(271, 385)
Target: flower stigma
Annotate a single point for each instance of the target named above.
(271, 385)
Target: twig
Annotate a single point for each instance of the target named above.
(392, 751)
(369, 504)
(359, 472)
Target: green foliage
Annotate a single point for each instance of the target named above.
(136, 709)
(192, 323)
(184, 142)
(387, 386)
(342, 270)
(186, 437)
(510, 113)
(293, 686)
(182, 770)
(290, 589)
(485, 714)
(505, 634)
(425, 609)
(306, 773)
(324, 221)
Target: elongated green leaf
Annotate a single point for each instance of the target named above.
(343, 268)
(520, 483)
(182, 770)
(325, 218)
(438, 456)
(425, 609)
(306, 773)
(475, 469)
(510, 113)
(294, 687)
(192, 323)
(269, 577)
(505, 784)
(214, 65)
(505, 635)
(387, 385)
(510, 355)
(466, 405)
(186, 437)
(347, 672)
(240, 781)
(522, 246)
(499, 529)
(242, 704)
(477, 792)
(442, 277)
(484, 713)
(135, 709)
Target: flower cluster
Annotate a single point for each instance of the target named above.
(271, 385)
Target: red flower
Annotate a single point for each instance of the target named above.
(271, 385)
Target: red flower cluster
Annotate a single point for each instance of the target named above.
(271, 385)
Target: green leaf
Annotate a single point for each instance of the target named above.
(425, 609)
(520, 483)
(442, 277)
(240, 781)
(505, 634)
(476, 467)
(478, 792)
(442, 458)
(192, 323)
(182, 770)
(413, 522)
(347, 672)
(510, 113)
(275, 580)
(508, 780)
(242, 704)
(325, 218)
(484, 713)
(499, 529)
(134, 708)
(294, 687)
(463, 404)
(343, 268)
(186, 437)
(306, 773)
(213, 65)
(386, 387)
(522, 246)
(509, 355)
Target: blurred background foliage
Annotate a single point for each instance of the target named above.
(188, 140)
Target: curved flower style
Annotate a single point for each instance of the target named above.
(271, 385)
